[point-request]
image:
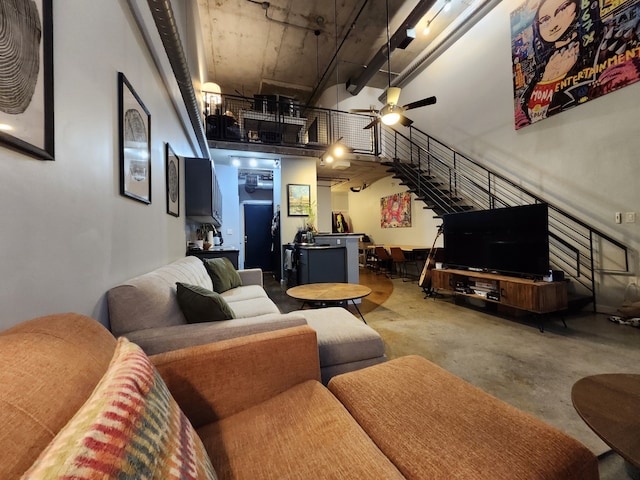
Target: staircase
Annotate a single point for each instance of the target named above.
(449, 182)
(428, 188)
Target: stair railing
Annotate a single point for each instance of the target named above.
(447, 182)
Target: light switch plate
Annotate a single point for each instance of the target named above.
(630, 217)
(618, 217)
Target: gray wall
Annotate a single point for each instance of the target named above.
(67, 235)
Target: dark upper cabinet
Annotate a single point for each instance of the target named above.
(202, 193)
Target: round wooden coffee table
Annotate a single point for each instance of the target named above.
(610, 405)
(330, 293)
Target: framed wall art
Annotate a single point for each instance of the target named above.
(172, 173)
(395, 210)
(298, 200)
(568, 52)
(26, 77)
(135, 143)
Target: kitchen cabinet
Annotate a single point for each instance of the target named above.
(203, 198)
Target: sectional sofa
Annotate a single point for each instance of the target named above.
(145, 309)
(76, 403)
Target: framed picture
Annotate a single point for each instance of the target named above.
(172, 173)
(298, 200)
(135, 143)
(26, 77)
(395, 210)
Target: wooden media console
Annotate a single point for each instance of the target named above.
(520, 293)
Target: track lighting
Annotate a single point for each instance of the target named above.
(445, 7)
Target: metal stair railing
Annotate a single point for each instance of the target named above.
(448, 182)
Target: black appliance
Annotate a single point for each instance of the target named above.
(511, 240)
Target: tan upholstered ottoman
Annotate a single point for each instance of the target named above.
(432, 424)
(345, 342)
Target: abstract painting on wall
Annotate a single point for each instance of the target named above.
(567, 52)
(26, 77)
(395, 210)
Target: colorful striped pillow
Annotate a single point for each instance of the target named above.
(129, 428)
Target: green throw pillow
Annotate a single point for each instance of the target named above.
(223, 274)
(201, 305)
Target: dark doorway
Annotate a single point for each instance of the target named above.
(257, 236)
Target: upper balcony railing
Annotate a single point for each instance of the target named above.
(277, 120)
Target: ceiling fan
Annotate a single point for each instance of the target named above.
(392, 113)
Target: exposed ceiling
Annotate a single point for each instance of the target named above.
(301, 48)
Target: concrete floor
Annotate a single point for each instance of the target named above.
(506, 356)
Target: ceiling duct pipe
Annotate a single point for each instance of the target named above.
(452, 34)
(401, 37)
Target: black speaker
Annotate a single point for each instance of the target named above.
(557, 275)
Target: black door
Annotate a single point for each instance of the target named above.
(257, 236)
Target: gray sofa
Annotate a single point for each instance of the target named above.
(145, 310)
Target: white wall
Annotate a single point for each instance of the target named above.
(367, 97)
(67, 234)
(324, 219)
(231, 229)
(364, 211)
(584, 160)
(298, 171)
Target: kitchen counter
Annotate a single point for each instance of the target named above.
(222, 251)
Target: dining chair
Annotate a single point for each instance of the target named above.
(400, 261)
(383, 261)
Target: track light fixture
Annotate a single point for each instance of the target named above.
(446, 6)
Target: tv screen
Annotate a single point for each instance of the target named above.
(512, 240)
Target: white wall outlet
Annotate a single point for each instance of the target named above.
(630, 217)
(229, 231)
(338, 241)
(618, 217)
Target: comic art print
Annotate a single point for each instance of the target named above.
(567, 52)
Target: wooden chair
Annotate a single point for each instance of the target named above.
(383, 261)
(400, 262)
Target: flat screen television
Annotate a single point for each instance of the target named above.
(511, 240)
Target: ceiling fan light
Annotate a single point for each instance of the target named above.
(447, 6)
(390, 114)
(338, 150)
(390, 118)
(427, 29)
(328, 159)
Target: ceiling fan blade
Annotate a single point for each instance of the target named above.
(393, 94)
(372, 124)
(420, 103)
(404, 121)
(362, 110)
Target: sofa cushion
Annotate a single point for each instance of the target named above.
(245, 292)
(223, 274)
(452, 429)
(149, 301)
(301, 433)
(48, 368)
(164, 339)
(254, 307)
(201, 305)
(130, 427)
